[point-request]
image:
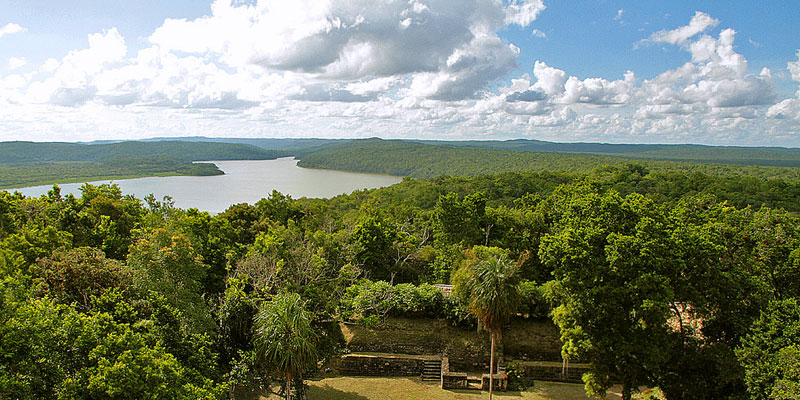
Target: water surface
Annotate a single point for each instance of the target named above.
(243, 182)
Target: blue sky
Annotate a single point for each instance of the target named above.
(608, 71)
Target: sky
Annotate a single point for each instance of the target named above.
(707, 72)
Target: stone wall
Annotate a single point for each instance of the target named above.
(382, 365)
(545, 372)
(452, 380)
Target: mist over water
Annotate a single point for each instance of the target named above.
(243, 182)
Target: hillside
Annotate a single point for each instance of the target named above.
(423, 160)
(20, 152)
(764, 156)
(29, 163)
(761, 156)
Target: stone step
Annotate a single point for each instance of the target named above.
(432, 370)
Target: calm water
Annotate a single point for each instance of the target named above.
(243, 182)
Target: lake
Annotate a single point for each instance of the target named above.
(243, 182)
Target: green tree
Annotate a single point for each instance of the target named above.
(611, 256)
(462, 221)
(373, 238)
(770, 354)
(284, 338)
(164, 262)
(78, 274)
(489, 283)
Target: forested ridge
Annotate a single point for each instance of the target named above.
(18, 152)
(764, 156)
(29, 163)
(677, 280)
(759, 156)
(420, 160)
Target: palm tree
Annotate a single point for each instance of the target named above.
(489, 284)
(284, 338)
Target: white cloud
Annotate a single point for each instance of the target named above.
(410, 69)
(553, 85)
(538, 34)
(794, 68)
(449, 50)
(16, 62)
(699, 23)
(548, 79)
(618, 17)
(467, 70)
(523, 12)
(9, 29)
(789, 109)
(716, 78)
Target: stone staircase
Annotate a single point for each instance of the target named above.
(432, 370)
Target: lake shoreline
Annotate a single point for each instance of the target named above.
(243, 181)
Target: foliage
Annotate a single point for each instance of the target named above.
(406, 158)
(770, 354)
(165, 263)
(378, 299)
(488, 282)
(611, 258)
(52, 351)
(655, 273)
(18, 152)
(284, 338)
(77, 275)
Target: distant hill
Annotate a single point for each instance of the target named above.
(763, 156)
(25, 163)
(21, 152)
(29, 163)
(766, 156)
(293, 146)
(424, 160)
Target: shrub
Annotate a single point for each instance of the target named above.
(379, 299)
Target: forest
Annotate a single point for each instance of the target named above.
(424, 160)
(681, 280)
(29, 163)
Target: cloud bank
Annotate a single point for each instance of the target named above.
(417, 68)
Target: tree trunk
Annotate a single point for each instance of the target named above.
(626, 391)
(288, 386)
(491, 368)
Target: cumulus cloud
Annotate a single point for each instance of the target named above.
(409, 69)
(72, 80)
(716, 78)
(523, 12)
(467, 70)
(794, 68)
(16, 62)
(699, 23)
(555, 86)
(448, 50)
(11, 28)
(789, 108)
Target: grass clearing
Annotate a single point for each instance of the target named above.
(381, 388)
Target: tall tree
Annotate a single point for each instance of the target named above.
(770, 354)
(489, 283)
(284, 338)
(610, 256)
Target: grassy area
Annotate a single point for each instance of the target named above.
(373, 388)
